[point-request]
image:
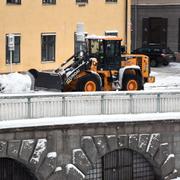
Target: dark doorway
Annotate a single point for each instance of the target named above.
(126, 164)
(13, 170)
(155, 32)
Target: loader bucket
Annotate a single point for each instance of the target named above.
(46, 80)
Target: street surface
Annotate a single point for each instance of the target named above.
(167, 77)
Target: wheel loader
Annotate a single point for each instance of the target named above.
(99, 65)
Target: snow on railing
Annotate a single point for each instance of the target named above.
(80, 103)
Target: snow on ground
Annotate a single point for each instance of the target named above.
(167, 77)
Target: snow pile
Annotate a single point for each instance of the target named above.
(15, 83)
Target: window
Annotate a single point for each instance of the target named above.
(112, 48)
(48, 47)
(111, 0)
(49, 1)
(16, 52)
(13, 1)
(111, 33)
(81, 1)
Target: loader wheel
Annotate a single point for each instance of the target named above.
(132, 83)
(166, 63)
(90, 82)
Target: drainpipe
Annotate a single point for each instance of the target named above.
(126, 22)
(135, 23)
(128, 25)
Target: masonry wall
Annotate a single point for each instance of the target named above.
(50, 151)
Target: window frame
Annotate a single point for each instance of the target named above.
(111, 1)
(48, 44)
(13, 2)
(44, 2)
(17, 49)
(111, 33)
(80, 2)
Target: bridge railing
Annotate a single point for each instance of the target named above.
(96, 103)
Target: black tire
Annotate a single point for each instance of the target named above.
(153, 63)
(92, 79)
(166, 63)
(132, 79)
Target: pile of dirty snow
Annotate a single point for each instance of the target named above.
(15, 83)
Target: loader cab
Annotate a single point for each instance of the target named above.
(107, 50)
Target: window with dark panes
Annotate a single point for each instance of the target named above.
(13, 1)
(81, 1)
(16, 52)
(48, 47)
(111, 33)
(111, 0)
(49, 1)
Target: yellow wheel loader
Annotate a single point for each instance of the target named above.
(99, 65)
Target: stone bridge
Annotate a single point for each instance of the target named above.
(146, 149)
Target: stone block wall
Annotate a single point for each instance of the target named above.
(69, 152)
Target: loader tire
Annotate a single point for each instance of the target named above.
(89, 82)
(132, 83)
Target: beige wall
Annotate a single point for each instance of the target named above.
(31, 18)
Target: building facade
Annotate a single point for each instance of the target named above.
(156, 23)
(44, 29)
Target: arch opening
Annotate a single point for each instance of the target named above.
(11, 169)
(123, 164)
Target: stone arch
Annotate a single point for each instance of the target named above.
(95, 147)
(33, 154)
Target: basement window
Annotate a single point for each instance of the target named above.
(13, 1)
(49, 1)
